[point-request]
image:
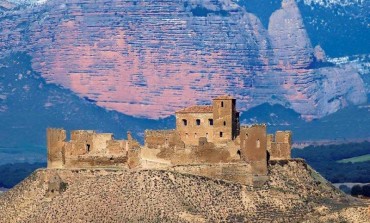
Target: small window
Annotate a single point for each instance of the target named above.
(195, 135)
(221, 134)
(185, 122)
(210, 121)
(222, 104)
(88, 147)
(197, 121)
(258, 144)
(207, 135)
(224, 123)
(246, 136)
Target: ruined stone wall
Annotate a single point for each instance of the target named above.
(55, 146)
(156, 139)
(281, 147)
(81, 143)
(253, 147)
(224, 128)
(100, 142)
(89, 149)
(234, 172)
(192, 126)
(117, 147)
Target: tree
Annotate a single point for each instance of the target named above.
(356, 190)
(366, 190)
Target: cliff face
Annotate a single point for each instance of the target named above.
(150, 58)
(294, 193)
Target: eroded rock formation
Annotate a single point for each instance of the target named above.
(150, 58)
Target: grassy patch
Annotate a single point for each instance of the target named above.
(357, 159)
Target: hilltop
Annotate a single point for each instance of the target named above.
(294, 193)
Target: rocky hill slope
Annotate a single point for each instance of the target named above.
(294, 193)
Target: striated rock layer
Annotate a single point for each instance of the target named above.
(152, 57)
(294, 193)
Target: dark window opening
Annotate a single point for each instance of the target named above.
(88, 147)
(210, 121)
(222, 104)
(197, 121)
(224, 123)
(221, 134)
(239, 153)
(185, 122)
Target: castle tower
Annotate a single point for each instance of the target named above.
(226, 119)
(253, 147)
(55, 146)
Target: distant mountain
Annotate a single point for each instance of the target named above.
(348, 124)
(28, 105)
(339, 27)
(149, 58)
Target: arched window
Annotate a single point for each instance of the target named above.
(185, 122)
(224, 123)
(258, 143)
(210, 121)
(197, 121)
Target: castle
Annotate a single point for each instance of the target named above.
(208, 141)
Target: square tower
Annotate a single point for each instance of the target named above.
(226, 119)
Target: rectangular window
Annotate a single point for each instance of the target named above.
(221, 134)
(185, 122)
(197, 121)
(210, 121)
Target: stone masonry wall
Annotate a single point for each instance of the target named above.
(253, 147)
(163, 139)
(191, 131)
(280, 147)
(55, 144)
(223, 129)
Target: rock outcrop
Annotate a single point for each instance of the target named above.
(294, 193)
(149, 58)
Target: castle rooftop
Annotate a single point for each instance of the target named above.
(197, 109)
(224, 97)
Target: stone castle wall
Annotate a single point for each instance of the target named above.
(192, 126)
(280, 146)
(253, 147)
(87, 149)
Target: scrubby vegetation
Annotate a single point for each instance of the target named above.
(325, 159)
(12, 174)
